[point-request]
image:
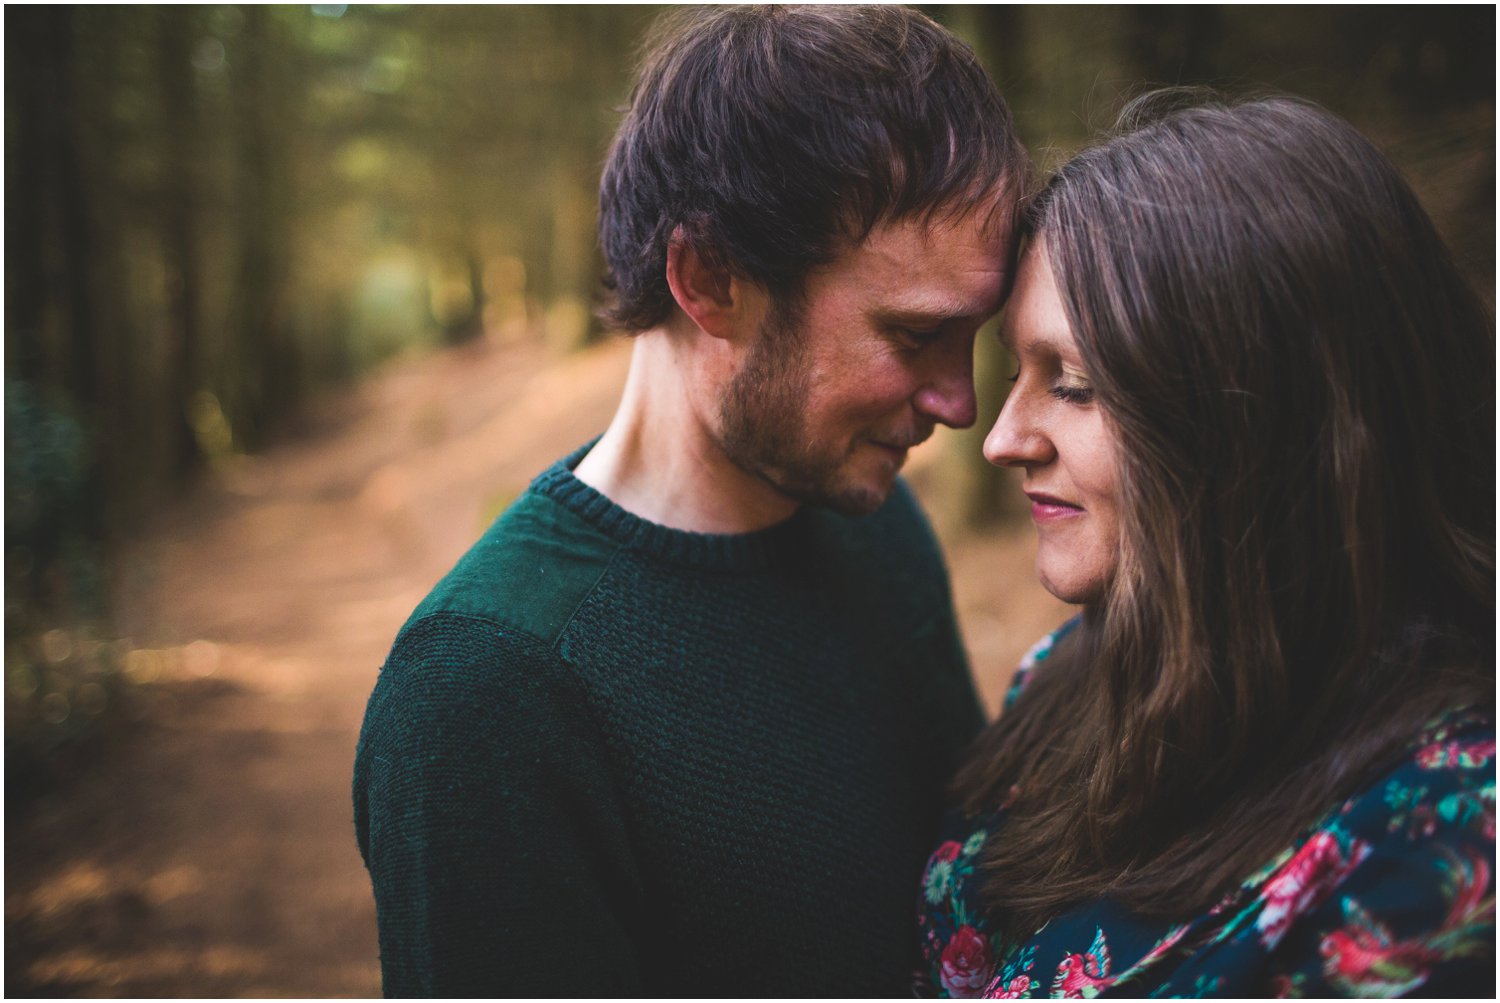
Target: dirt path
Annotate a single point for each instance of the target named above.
(213, 854)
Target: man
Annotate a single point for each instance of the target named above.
(680, 722)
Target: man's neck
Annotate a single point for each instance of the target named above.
(659, 459)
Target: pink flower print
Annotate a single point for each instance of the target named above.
(1432, 757)
(1083, 975)
(1356, 963)
(1362, 958)
(948, 851)
(1465, 755)
(1303, 882)
(1015, 990)
(966, 964)
(1478, 754)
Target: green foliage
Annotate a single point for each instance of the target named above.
(49, 562)
(46, 460)
(64, 692)
(59, 680)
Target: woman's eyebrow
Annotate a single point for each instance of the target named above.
(1031, 345)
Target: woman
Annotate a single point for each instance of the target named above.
(1254, 411)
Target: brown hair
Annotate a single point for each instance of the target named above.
(1303, 387)
(770, 137)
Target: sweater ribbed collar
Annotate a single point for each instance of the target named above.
(758, 549)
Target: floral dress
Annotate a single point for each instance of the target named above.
(1391, 893)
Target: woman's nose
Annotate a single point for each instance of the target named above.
(1017, 440)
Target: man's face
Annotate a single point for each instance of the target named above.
(879, 350)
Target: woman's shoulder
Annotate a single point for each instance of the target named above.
(1443, 787)
(1036, 655)
(1390, 893)
(1394, 889)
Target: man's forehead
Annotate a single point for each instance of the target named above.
(989, 219)
(923, 270)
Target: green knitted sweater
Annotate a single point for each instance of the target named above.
(605, 757)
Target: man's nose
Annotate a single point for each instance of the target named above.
(947, 397)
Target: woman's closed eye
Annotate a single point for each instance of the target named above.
(1070, 390)
(1073, 393)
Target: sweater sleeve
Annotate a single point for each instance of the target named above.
(486, 813)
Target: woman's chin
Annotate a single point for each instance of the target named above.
(1069, 586)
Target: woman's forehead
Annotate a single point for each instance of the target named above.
(1035, 317)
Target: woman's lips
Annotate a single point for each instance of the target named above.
(1045, 508)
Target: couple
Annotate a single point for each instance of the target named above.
(686, 719)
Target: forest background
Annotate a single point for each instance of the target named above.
(237, 232)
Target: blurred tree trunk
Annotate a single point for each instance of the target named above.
(123, 439)
(265, 377)
(50, 228)
(72, 205)
(180, 189)
(461, 321)
(28, 173)
(570, 319)
(474, 327)
(51, 235)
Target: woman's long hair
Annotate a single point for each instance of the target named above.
(1302, 387)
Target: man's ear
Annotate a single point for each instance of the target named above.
(707, 293)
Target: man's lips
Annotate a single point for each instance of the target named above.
(1047, 508)
(898, 447)
(897, 454)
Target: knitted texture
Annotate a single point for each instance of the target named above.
(605, 757)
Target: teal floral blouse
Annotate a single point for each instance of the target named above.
(1391, 893)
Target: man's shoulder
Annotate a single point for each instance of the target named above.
(527, 573)
(490, 625)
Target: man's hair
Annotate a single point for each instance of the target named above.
(769, 139)
(1302, 384)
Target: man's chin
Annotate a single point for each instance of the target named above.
(838, 491)
(851, 499)
(855, 506)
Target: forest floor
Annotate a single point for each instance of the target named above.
(211, 853)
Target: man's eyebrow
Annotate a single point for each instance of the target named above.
(934, 308)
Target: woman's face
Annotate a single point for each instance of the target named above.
(1052, 429)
